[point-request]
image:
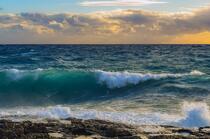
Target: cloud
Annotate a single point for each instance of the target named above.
(120, 26)
(120, 3)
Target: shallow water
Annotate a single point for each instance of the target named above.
(136, 84)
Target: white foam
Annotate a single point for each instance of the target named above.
(192, 115)
(196, 72)
(16, 74)
(54, 112)
(196, 114)
(122, 79)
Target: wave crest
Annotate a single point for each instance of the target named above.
(110, 79)
(15, 74)
(122, 79)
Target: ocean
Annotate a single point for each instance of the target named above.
(133, 84)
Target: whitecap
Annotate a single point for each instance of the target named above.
(122, 79)
(16, 74)
(195, 114)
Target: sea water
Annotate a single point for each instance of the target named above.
(134, 84)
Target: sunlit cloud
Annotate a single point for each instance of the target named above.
(120, 3)
(120, 26)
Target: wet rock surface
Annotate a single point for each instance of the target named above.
(94, 129)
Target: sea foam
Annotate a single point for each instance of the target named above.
(16, 74)
(122, 79)
(193, 114)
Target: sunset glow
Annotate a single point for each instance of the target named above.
(107, 21)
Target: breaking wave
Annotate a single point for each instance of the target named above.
(122, 79)
(111, 79)
(192, 115)
(37, 87)
(195, 114)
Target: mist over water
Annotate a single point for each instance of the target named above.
(133, 84)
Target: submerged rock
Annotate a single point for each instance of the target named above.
(94, 129)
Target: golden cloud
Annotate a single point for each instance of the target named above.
(121, 26)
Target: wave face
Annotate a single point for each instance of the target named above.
(23, 87)
(64, 86)
(139, 84)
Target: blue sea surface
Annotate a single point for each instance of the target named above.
(136, 84)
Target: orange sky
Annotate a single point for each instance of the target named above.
(201, 38)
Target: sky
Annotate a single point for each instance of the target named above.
(105, 21)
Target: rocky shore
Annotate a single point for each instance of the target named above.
(94, 129)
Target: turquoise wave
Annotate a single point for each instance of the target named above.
(44, 87)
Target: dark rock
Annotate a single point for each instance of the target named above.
(94, 129)
(170, 137)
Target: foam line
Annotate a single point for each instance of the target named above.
(122, 79)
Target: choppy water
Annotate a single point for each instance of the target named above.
(137, 84)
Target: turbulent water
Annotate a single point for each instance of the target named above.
(135, 84)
